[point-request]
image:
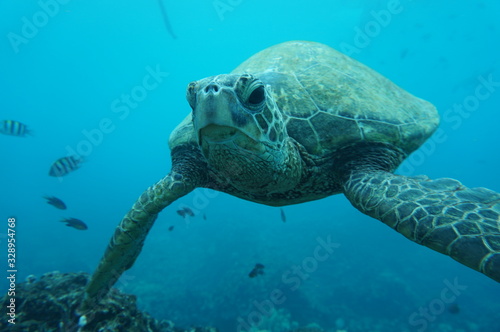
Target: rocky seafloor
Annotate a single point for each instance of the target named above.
(50, 303)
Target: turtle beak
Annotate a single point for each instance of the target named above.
(219, 121)
(218, 106)
(213, 109)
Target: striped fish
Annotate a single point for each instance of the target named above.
(14, 128)
(63, 166)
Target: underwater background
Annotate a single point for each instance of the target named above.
(66, 79)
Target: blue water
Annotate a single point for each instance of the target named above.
(66, 79)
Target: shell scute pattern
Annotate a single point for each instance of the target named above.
(329, 100)
(488, 213)
(493, 242)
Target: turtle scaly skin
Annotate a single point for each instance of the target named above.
(128, 239)
(300, 121)
(441, 214)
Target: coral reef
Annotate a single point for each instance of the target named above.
(280, 320)
(49, 304)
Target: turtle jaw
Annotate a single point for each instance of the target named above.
(230, 137)
(219, 117)
(240, 161)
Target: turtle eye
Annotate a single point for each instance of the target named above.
(251, 90)
(191, 94)
(257, 96)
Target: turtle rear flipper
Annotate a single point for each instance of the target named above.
(441, 214)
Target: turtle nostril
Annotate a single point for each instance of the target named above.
(212, 87)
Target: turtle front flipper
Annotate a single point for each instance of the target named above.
(441, 214)
(128, 239)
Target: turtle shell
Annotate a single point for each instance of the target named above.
(330, 100)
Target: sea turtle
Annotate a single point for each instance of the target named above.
(300, 121)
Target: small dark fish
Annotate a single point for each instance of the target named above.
(52, 200)
(283, 216)
(185, 211)
(426, 36)
(188, 211)
(404, 53)
(75, 223)
(204, 216)
(14, 128)
(166, 20)
(454, 308)
(63, 166)
(171, 228)
(257, 270)
(255, 273)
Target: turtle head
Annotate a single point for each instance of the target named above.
(236, 108)
(239, 128)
